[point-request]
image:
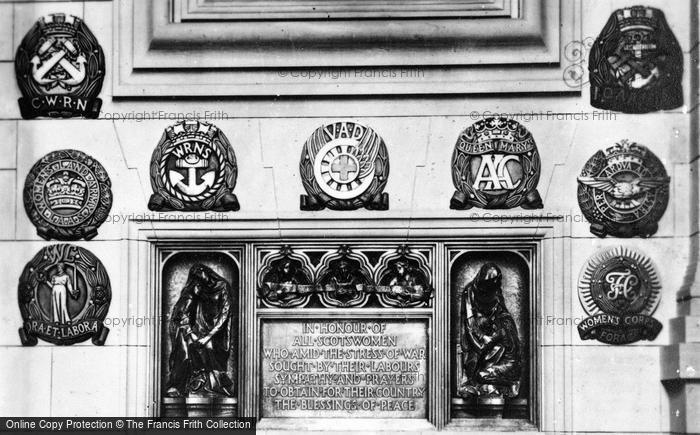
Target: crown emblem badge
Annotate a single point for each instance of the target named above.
(60, 68)
(623, 191)
(636, 64)
(344, 166)
(64, 295)
(193, 168)
(495, 165)
(619, 290)
(67, 195)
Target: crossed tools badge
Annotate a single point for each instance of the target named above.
(60, 68)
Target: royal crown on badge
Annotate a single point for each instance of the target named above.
(67, 195)
(495, 165)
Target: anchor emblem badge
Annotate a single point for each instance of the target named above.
(193, 168)
(60, 68)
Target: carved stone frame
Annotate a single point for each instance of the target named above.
(552, 276)
(454, 252)
(157, 56)
(269, 10)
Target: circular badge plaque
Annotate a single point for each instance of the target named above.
(60, 68)
(64, 295)
(623, 191)
(344, 166)
(67, 195)
(495, 165)
(193, 168)
(619, 290)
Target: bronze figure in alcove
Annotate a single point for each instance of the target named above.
(406, 283)
(489, 340)
(345, 280)
(200, 337)
(285, 284)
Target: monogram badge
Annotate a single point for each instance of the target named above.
(623, 191)
(67, 195)
(193, 168)
(636, 64)
(495, 164)
(344, 166)
(619, 290)
(60, 68)
(64, 296)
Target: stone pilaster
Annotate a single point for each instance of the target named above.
(680, 361)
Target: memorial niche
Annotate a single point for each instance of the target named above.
(490, 333)
(199, 335)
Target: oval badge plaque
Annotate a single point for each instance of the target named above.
(623, 191)
(67, 195)
(193, 168)
(495, 165)
(636, 64)
(60, 68)
(344, 166)
(64, 295)
(619, 290)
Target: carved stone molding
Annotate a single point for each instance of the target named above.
(156, 55)
(218, 10)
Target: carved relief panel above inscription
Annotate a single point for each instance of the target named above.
(342, 277)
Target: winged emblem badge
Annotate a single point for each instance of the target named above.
(623, 191)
